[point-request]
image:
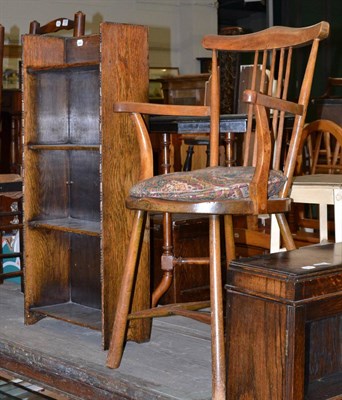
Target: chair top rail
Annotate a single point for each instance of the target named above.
(268, 39)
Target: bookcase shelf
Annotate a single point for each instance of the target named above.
(77, 314)
(89, 147)
(73, 225)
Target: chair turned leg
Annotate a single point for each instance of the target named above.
(166, 261)
(126, 291)
(217, 327)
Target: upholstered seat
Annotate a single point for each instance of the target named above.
(213, 183)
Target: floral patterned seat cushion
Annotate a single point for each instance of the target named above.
(213, 183)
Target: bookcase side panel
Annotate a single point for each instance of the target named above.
(124, 76)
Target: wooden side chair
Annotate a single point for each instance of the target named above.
(323, 148)
(10, 203)
(77, 24)
(322, 137)
(217, 191)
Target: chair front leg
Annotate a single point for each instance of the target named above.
(216, 301)
(126, 291)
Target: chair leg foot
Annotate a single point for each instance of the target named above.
(126, 291)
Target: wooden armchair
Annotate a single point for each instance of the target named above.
(77, 24)
(217, 191)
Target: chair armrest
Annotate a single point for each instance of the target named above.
(161, 109)
(137, 110)
(253, 97)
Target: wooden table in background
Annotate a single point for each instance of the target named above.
(167, 130)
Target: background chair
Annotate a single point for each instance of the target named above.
(219, 191)
(10, 208)
(78, 25)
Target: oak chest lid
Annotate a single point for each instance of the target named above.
(298, 275)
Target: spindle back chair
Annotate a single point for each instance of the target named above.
(252, 189)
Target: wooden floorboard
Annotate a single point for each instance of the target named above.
(175, 364)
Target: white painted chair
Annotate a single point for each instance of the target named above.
(321, 189)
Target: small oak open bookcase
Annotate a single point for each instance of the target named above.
(79, 163)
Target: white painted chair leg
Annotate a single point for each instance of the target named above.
(275, 235)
